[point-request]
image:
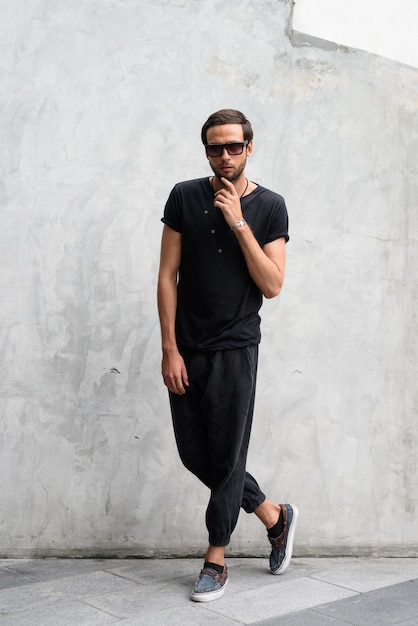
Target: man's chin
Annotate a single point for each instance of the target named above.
(231, 176)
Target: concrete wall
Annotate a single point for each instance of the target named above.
(101, 108)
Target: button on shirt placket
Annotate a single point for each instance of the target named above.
(212, 231)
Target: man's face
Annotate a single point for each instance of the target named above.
(227, 165)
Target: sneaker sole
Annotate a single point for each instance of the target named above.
(210, 595)
(289, 549)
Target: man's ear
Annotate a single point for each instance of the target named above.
(250, 148)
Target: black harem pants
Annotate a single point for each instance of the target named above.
(212, 425)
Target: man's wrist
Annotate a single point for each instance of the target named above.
(239, 224)
(169, 347)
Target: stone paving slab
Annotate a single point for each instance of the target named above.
(278, 600)
(51, 569)
(365, 575)
(34, 595)
(66, 614)
(395, 606)
(392, 605)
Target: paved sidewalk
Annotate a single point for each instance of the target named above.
(313, 592)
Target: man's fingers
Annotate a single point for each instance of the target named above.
(185, 379)
(177, 384)
(227, 183)
(229, 186)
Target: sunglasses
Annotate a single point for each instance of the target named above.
(233, 148)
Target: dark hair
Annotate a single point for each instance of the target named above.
(227, 116)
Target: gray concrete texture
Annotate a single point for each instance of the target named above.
(101, 109)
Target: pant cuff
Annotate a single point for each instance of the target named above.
(251, 506)
(219, 543)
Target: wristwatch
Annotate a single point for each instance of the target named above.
(238, 224)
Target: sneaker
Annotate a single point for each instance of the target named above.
(210, 585)
(282, 546)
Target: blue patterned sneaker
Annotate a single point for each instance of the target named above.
(210, 585)
(282, 546)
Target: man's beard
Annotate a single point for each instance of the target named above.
(231, 177)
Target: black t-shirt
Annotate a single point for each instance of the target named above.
(217, 300)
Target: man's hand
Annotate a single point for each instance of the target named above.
(174, 372)
(228, 201)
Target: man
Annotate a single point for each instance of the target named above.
(222, 250)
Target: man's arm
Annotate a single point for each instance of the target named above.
(266, 265)
(173, 367)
